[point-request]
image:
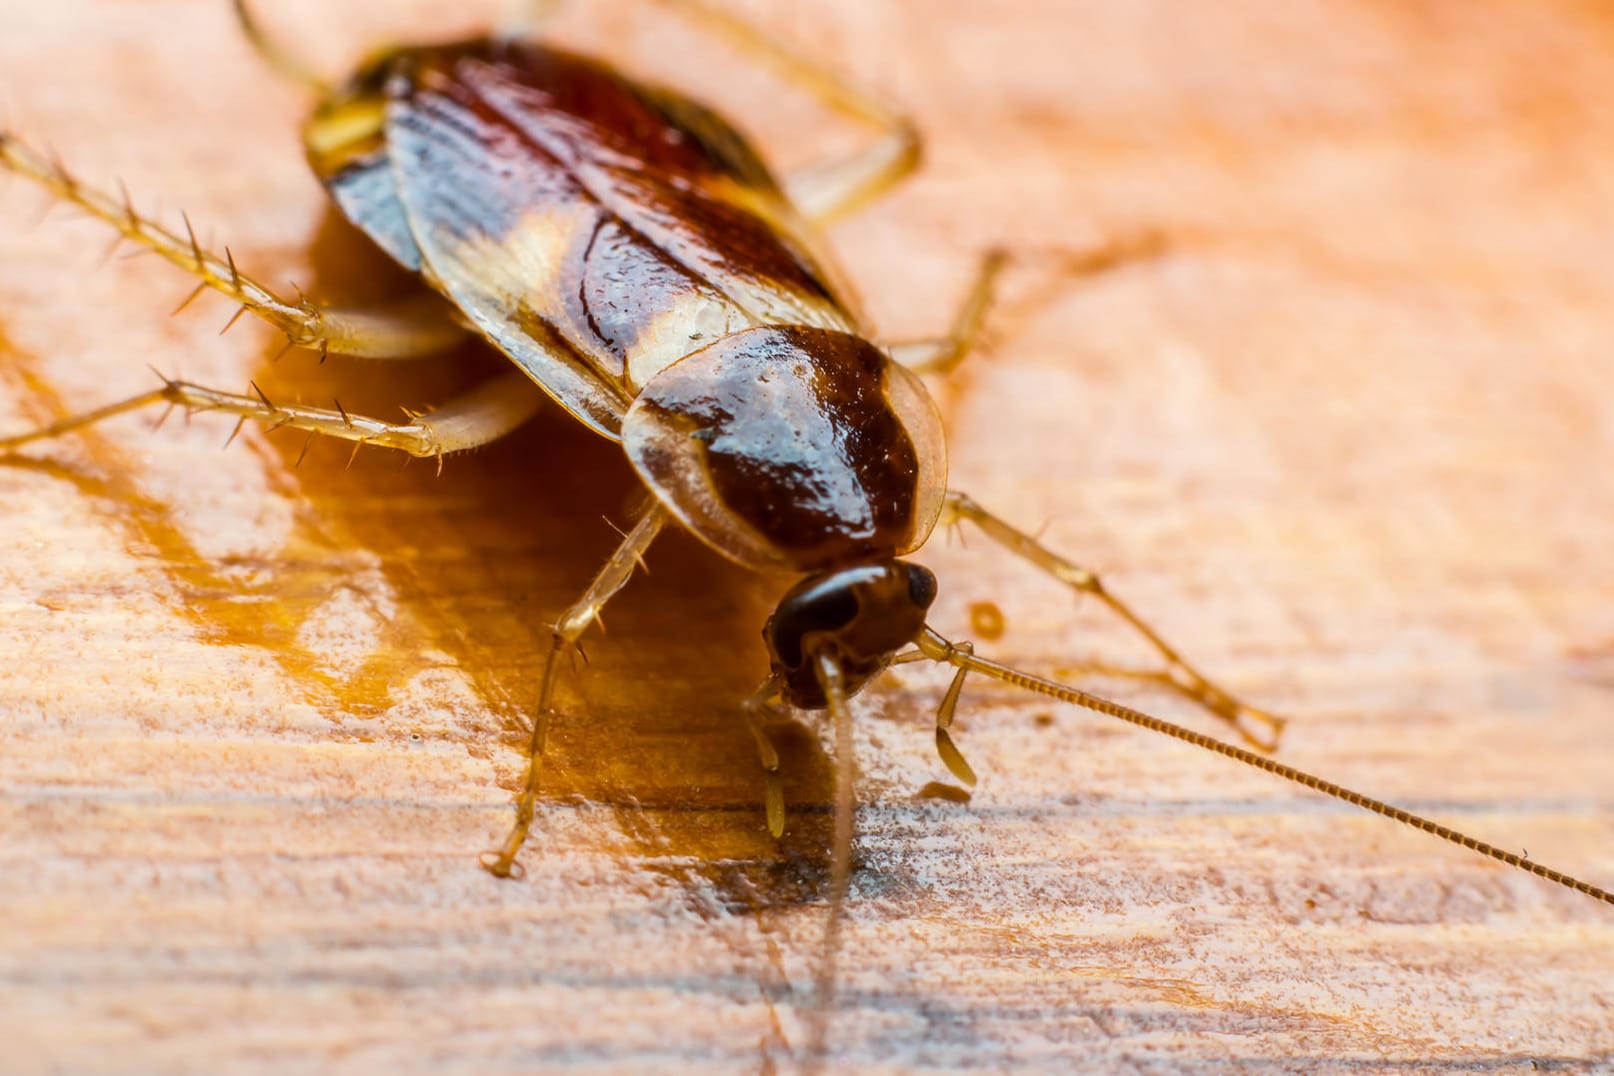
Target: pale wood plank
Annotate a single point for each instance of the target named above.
(1348, 442)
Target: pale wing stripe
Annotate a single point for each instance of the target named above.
(430, 134)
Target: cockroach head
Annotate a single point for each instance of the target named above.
(859, 616)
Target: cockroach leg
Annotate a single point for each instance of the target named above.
(948, 750)
(568, 630)
(1257, 727)
(416, 327)
(760, 711)
(940, 355)
(534, 16)
(831, 189)
(962, 657)
(484, 414)
(283, 62)
(87, 418)
(951, 757)
(1166, 678)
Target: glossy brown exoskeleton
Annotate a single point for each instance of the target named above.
(639, 265)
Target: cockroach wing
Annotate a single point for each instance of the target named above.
(594, 229)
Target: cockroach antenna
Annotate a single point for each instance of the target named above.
(962, 657)
(825, 652)
(825, 979)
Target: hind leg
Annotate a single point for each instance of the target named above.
(826, 190)
(484, 414)
(420, 325)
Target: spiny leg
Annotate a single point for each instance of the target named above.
(568, 630)
(418, 326)
(835, 188)
(484, 414)
(1256, 726)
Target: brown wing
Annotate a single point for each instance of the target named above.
(594, 229)
(347, 148)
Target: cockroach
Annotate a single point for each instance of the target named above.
(638, 264)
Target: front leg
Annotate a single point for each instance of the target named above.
(1258, 727)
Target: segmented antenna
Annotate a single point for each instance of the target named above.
(824, 980)
(940, 650)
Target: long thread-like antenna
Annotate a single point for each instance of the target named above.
(830, 679)
(940, 650)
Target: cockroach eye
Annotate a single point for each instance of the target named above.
(858, 616)
(921, 585)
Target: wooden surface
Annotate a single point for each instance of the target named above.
(1348, 441)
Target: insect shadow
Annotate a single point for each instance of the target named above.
(493, 546)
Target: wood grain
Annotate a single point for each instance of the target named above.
(1347, 440)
